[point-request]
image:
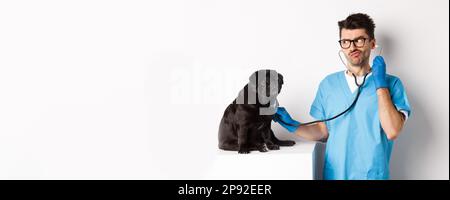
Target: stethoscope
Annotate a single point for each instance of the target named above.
(346, 110)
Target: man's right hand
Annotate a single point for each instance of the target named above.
(285, 120)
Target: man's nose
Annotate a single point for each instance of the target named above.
(352, 46)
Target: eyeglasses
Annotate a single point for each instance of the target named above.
(359, 42)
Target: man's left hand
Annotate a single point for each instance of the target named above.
(379, 72)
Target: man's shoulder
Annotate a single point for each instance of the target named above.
(332, 78)
(393, 80)
(392, 77)
(335, 74)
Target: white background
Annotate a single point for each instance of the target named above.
(136, 89)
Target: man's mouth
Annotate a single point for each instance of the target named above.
(355, 54)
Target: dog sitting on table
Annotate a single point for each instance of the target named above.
(246, 122)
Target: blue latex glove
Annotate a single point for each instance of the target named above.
(379, 72)
(283, 116)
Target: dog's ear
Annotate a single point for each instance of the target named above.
(280, 79)
(254, 78)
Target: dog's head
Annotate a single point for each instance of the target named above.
(267, 85)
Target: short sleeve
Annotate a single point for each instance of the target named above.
(399, 98)
(317, 110)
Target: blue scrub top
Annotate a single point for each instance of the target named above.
(357, 147)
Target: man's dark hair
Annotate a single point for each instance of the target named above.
(357, 21)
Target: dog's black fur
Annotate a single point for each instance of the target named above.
(243, 128)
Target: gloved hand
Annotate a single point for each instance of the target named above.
(285, 120)
(379, 72)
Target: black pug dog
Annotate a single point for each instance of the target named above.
(246, 123)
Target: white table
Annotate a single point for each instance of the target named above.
(302, 161)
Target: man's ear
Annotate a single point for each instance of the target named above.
(373, 44)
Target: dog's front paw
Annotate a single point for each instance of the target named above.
(263, 148)
(273, 147)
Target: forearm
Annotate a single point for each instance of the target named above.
(391, 119)
(313, 132)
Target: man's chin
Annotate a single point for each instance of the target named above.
(357, 63)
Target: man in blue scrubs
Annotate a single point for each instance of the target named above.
(359, 143)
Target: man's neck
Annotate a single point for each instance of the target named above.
(359, 70)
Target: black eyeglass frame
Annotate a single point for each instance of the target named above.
(354, 42)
